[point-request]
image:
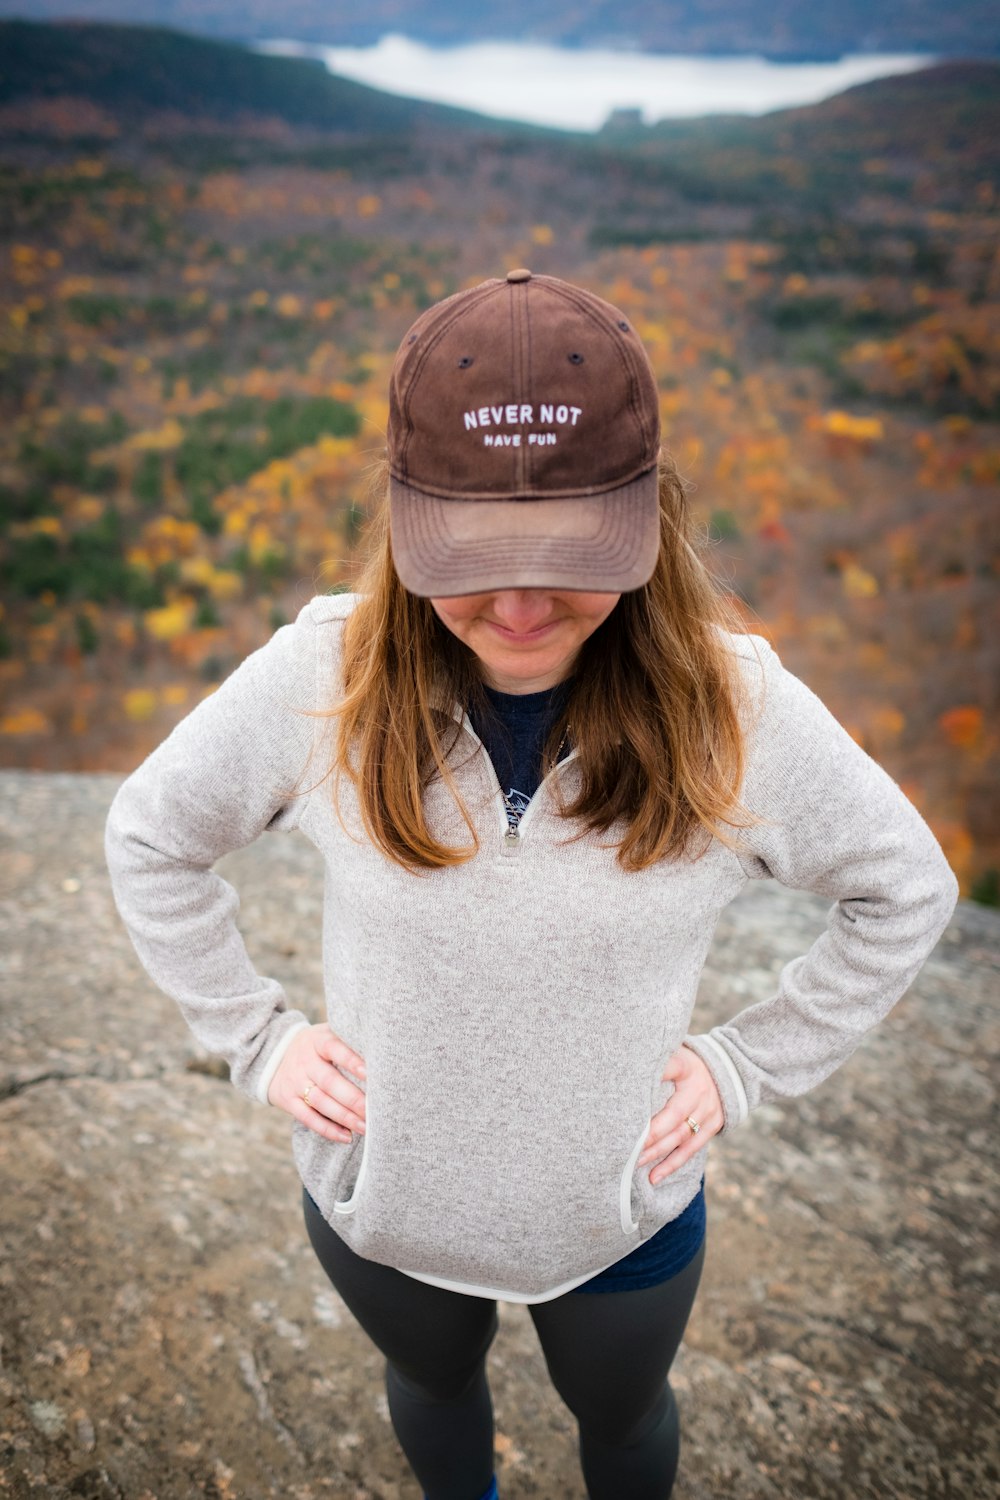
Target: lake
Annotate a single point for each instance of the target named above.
(576, 89)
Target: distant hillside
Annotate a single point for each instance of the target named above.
(201, 302)
(949, 106)
(941, 119)
(788, 29)
(132, 72)
(951, 111)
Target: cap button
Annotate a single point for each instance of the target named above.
(520, 274)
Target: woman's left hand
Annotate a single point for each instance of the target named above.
(671, 1141)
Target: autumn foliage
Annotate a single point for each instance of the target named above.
(193, 363)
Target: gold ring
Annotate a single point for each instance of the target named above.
(305, 1091)
(695, 1127)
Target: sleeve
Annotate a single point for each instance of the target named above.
(838, 825)
(227, 772)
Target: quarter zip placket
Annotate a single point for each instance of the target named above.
(511, 839)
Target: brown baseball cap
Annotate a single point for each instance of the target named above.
(523, 439)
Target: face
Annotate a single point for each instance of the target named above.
(525, 639)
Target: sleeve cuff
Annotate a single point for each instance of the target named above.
(735, 1105)
(274, 1061)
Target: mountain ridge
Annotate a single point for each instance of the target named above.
(134, 72)
(785, 30)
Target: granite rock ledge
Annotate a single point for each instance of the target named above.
(165, 1330)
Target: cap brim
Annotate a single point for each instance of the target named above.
(604, 543)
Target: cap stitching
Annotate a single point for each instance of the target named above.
(614, 534)
(568, 294)
(489, 288)
(512, 319)
(527, 467)
(523, 321)
(572, 492)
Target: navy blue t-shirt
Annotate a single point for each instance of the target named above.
(514, 736)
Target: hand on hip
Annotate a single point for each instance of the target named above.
(310, 1086)
(672, 1138)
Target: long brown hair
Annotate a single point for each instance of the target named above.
(655, 706)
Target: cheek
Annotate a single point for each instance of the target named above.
(456, 619)
(602, 608)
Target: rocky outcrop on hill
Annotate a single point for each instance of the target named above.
(167, 1332)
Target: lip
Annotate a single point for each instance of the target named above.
(522, 637)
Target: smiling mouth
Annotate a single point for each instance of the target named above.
(523, 635)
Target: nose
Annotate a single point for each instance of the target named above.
(522, 609)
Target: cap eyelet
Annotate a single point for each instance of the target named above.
(623, 326)
(575, 359)
(465, 361)
(412, 339)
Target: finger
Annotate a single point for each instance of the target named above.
(306, 1115)
(677, 1158)
(666, 1134)
(665, 1143)
(681, 1144)
(663, 1137)
(333, 1048)
(334, 1107)
(333, 1083)
(662, 1127)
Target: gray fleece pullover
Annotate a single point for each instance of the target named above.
(508, 1098)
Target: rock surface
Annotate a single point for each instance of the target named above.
(167, 1332)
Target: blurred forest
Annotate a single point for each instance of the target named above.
(201, 295)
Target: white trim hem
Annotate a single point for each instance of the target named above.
(505, 1296)
(718, 1051)
(271, 1066)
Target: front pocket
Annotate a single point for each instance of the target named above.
(512, 1223)
(627, 1186)
(349, 1204)
(657, 1203)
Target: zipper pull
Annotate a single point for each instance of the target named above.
(511, 841)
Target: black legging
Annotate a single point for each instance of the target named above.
(608, 1355)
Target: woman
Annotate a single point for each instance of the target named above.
(548, 758)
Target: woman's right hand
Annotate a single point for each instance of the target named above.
(312, 1064)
